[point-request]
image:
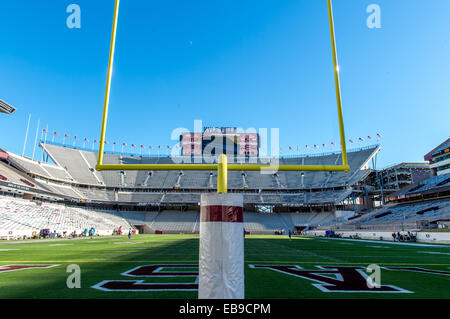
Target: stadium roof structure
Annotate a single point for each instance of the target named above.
(222, 167)
(6, 108)
(406, 165)
(435, 151)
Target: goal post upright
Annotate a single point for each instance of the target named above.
(337, 83)
(108, 83)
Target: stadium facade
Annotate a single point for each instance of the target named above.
(168, 201)
(439, 158)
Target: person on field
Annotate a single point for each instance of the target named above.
(290, 234)
(129, 234)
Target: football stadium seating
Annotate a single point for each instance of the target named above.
(74, 179)
(20, 217)
(427, 184)
(81, 163)
(409, 215)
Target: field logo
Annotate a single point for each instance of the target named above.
(339, 278)
(154, 271)
(23, 267)
(353, 279)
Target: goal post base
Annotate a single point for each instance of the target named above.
(221, 255)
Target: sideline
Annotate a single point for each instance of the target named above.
(29, 241)
(388, 242)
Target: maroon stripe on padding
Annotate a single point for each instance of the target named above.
(229, 214)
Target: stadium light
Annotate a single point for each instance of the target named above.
(6, 108)
(222, 166)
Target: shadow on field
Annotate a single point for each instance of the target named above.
(100, 260)
(107, 259)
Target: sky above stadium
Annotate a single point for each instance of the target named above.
(248, 64)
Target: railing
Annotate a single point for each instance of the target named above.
(90, 149)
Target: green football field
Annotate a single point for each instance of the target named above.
(166, 266)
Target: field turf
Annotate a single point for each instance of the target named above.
(103, 259)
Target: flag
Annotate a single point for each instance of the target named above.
(95, 141)
(333, 143)
(142, 146)
(76, 138)
(106, 142)
(56, 133)
(169, 147)
(160, 147)
(133, 145)
(351, 141)
(324, 145)
(379, 135)
(369, 137)
(150, 147)
(66, 135)
(124, 144)
(315, 146)
(44, 131)
(307, 147)
(86, 140)
(290, 148)
(115, 143)
(361, 139)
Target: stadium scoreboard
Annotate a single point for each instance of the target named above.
(220, 140)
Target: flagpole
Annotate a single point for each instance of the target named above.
(35, 139)
(46, 132)
(45, 139)
(26, 135)
(42, 135)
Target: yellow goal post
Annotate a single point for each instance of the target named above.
(222, 166)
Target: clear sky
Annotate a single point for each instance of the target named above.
(252, 63)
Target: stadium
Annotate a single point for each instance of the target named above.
(89, 219)
(63, 200)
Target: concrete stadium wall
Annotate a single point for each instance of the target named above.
(422, 237)
(18, 234)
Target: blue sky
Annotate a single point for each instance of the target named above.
(261, 64)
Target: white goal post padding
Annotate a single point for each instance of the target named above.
(221, 258)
